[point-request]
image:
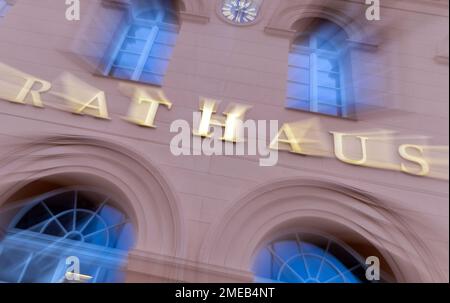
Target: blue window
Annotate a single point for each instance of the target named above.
(4, 7)
(146, 45)
(68, 223)
(308, 258)
(317, 70)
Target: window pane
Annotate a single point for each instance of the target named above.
(329, 96)
(12, 262)
(297, 104)
(156, 66)
(36, 217)
(126, 60)
(299, 60)
(150, 14)
(161, 51)
(166, 37)
(328, 79)
(298, 91)
(133, 45)
(299, 75)
(329, 110)
(151, 78)
(327, 64)
(139, 32)
(40, 269)
(325, 45)
(121, 73)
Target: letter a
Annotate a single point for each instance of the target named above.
(373, 11)
(73, 11)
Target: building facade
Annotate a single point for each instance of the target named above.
(102, 184)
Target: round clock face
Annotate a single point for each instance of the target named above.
(240, 11)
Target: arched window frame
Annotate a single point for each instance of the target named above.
(297, 236)
(38, 244)
(158, 24)
(342, 57)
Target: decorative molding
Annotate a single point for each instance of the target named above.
(147, 266)
(186, 16)
(193, 10)
(288, 14)
(282, 32)
(140, 187)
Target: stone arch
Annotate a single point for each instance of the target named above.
(282, 206)
(146, 195)
(283, 20)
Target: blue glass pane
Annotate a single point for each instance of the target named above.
(325, 44)
(328, 79)
(96, 233)
(36, 216)
(329, 110)
(151, 78)
(285, 249)
(121, 73)
(156, 66)
(111, 215)
(140, 32)
(261, 269)
(83, 218)
(126, 238)
(54, 229)
(298, 74)
(41, 269)
(133, 45)
(298, 104)
(327, 64)
(293, 272)
(329, 96)
(165, 37)
(151, 14)
(298, 91)
(126, 60)
(12, 262)
(299, 60)
(161, 51)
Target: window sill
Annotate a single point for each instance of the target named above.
(100, 75)
(352, 118)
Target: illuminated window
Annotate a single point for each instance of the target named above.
(66, 223)
(317, 71)
(4, 7)
(145, 48)
(308, 258)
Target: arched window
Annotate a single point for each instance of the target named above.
(144, 49)
(64, 228)
(308, 258)
(4, 7)
(318, 69)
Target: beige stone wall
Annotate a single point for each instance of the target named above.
(402, 74)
